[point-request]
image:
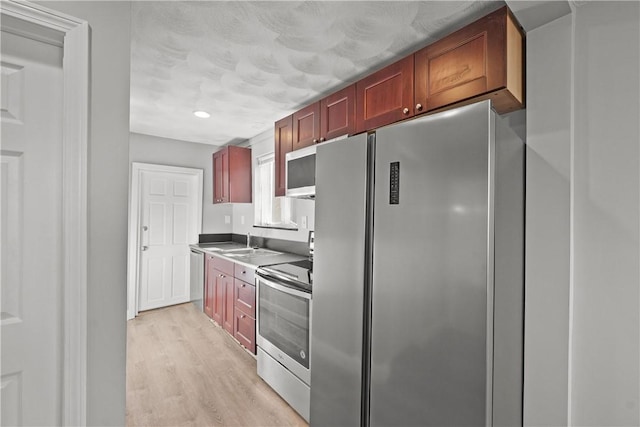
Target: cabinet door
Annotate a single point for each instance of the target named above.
(245, 297)
(221, 176)
(484, 57)
(209, 286)
(239, 175)
(306, 126)
(229, 303)
(283, 145)
(385, 96)
(244, 330)
(218, 297)
(338, 114)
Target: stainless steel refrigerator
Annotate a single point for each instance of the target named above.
(418, 275)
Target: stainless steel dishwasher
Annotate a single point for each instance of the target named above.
(196, 277)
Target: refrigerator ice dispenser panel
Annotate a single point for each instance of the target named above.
(394, 183)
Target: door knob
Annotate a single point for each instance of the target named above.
(144, 248)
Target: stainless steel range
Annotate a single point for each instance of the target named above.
(283, 335)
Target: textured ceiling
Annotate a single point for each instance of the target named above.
(252, 63)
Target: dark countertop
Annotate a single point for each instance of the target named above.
(250, 260)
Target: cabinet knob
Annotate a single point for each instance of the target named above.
(244, 286)
(419, 107)
(242, 316)
(322, 139)
(315, 140)
(405, 111)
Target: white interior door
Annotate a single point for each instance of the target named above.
(31, 242)
(169, 223)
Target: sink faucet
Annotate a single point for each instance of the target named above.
(248, 240)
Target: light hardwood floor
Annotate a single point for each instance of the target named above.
(183, 370)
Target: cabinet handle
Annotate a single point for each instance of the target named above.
(322, 139)
(405, 111)
(419, 107)
(315, 140)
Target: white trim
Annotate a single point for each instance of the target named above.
(75, 140)
(135, 191)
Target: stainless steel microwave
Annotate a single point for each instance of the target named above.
(300, 173)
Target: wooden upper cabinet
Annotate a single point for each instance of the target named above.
(306, 126)
(482, 60)
(338, 114)
(283, 145)
(221, 176)
(232, 175)
(385, 96)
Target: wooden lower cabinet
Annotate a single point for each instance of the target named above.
(244, 326)
(221, 282)
(244, 330)
(230, 301)
(229, 306)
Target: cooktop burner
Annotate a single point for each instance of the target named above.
(298, 274)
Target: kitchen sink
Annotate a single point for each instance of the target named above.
(244, 252)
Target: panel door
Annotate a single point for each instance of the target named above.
(31, 234)
(283, 145)
(385, 96)
(429, 323)
(239, 175)
(244, 330)
(209, 287)
(218, 296)
(306, 126)
(245, 297)
(221, 176)
(169, 203)
(338, 114)
(229, 304)
(469, 63)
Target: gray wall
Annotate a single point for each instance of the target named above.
(605, 352)
(171, 152)
(547, 226)
(582, 325)
(107, 206)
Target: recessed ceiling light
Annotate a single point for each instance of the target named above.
(202, 114)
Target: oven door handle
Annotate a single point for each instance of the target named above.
(285, 289)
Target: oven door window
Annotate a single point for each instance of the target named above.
(284, 321)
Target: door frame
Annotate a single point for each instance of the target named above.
(135, 223)
(75, 141)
